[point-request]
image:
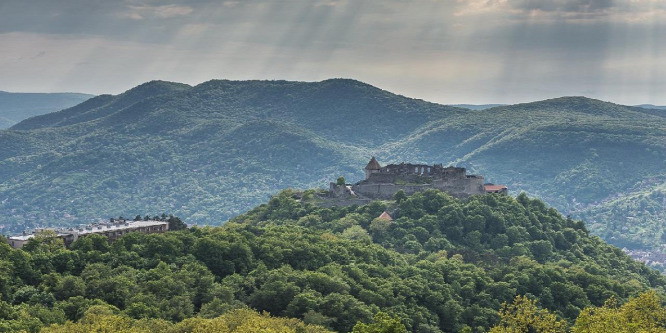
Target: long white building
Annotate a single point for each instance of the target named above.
(111, 230)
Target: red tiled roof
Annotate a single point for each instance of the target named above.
(495, 188)
(385, 216)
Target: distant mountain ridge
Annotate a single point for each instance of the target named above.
(15, 107)
(477, 106)
(285, 101)
(211, 151)
(651, 106)
(101, 106)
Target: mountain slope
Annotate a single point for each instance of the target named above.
(208, 152)
(327, 107)
(572, 152)
(101, 106)
(15, 107)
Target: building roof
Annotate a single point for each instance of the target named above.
(98, 228)
(373, 164)
(385, 216)
(495, 188)
(21, 237)
(119, 226)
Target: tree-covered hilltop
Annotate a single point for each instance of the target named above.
(210, 152)
(16, 107)
(441, 265)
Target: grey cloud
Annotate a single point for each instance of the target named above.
(571, 6)
(140, 20)
(472, 50)
(155, 21)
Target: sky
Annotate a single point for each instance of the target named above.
(444, 51)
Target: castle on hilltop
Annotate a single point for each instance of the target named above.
(383, 182)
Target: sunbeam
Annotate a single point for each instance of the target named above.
(473, 51)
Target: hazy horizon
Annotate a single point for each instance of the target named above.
(444, 51)
(451, 104)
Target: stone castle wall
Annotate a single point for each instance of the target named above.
(386, 191)
(461, 187)
(384, 182)
(391, 178)
(456, 187)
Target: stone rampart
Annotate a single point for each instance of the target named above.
(386, 191)
(384, 182)
(458, 188)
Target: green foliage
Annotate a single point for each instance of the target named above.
(399, 196)
(341, 181)
(90, 243)
(641, 314)
(383, 323)
(442, 265)
(237, 321)
(45, 241)
(523, 316)
(176, 223)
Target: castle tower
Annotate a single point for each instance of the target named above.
(372, 167)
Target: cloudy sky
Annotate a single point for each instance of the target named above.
(446, 51)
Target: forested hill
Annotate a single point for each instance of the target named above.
(207, 152)
(327, 108)
(103, 105)
(442, 265)
(211, 151)
(15, 107)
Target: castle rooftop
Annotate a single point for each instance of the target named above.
(492, 188)
(385, 216)
(373, 164)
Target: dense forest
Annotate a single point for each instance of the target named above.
(210, 152)
(441, 265)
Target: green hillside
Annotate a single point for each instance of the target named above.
(574, 153)
(442, 265)
(15, 107)
(632, 218)
(208, 152)
(212, 151)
